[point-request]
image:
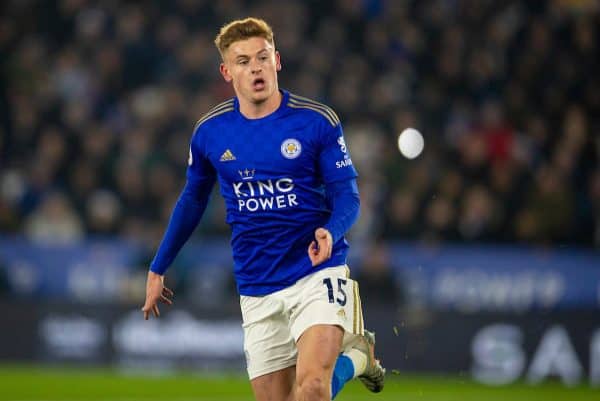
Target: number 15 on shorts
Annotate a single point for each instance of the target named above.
(340, 297)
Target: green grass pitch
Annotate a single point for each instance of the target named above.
(86, 384)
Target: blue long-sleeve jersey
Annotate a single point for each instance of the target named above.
(282, 176)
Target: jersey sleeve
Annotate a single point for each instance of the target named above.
(345, 208)
(200, 171)
(188, 210)
(334, 158)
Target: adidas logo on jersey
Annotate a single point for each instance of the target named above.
(227, 156)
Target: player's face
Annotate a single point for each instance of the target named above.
(251, 65)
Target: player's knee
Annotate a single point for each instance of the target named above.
(314, 388)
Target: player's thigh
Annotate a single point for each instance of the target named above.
(318, 349)
(268, 342)
(275, 386)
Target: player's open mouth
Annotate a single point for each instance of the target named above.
(258, 84)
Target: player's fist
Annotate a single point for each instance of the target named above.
(156, 292)
(320, 249)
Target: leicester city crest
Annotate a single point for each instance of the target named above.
(291, 148)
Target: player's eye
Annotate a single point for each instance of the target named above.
(242, 62)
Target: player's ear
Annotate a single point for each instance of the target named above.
(225, 72)
(277, 61)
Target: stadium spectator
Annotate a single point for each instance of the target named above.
(54, 221)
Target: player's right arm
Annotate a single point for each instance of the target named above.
(185, 217)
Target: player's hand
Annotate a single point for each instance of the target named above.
(156, 292)
(320, 250)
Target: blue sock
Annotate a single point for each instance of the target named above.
(343, 372)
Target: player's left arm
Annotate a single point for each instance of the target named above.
(345, 211)
(339, 176)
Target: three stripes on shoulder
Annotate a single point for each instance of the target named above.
(299, 102)
(224, 107)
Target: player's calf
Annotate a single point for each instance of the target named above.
(313, 388)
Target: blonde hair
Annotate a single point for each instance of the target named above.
(243, 29)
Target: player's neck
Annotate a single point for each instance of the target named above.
(259, 110)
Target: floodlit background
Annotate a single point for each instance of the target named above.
(478, 260)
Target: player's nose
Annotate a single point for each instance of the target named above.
(255, 66)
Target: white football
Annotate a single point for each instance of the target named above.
(410, 143)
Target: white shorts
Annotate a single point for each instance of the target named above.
(273, 323)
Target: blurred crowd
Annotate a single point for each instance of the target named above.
(98, 101)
